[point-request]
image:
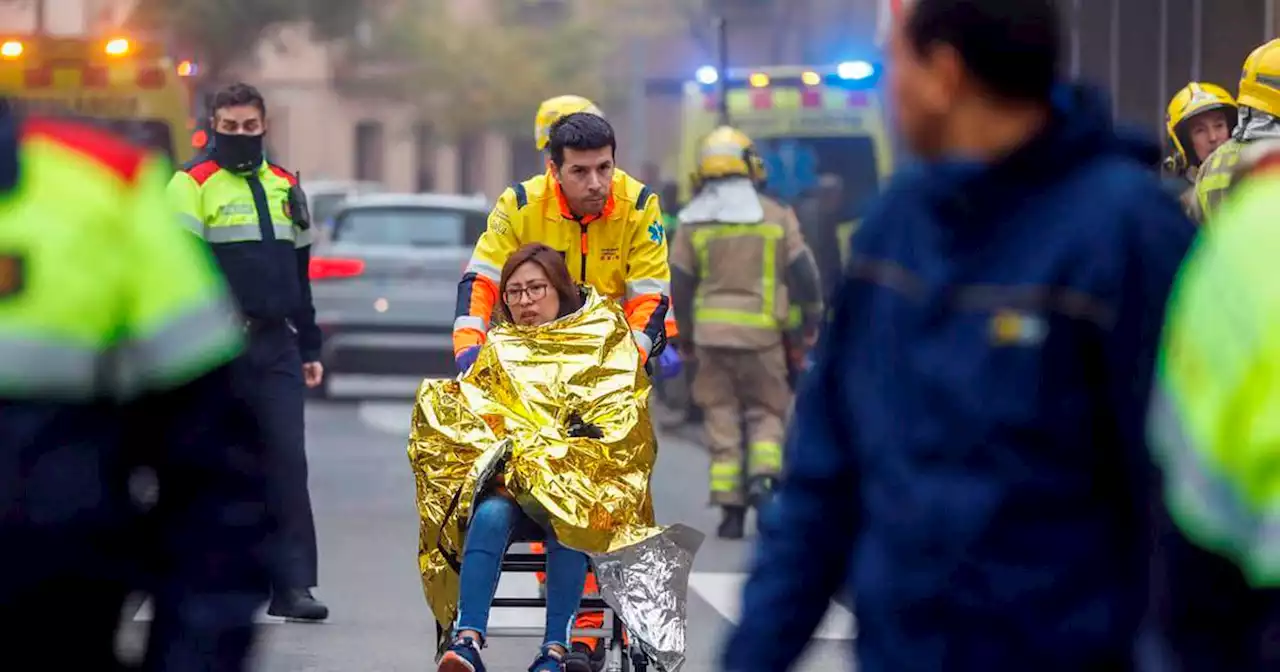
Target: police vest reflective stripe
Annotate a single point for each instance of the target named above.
(770, 234)
(234, 209)
(1215, 414)
(144, 309)
(1215, 177)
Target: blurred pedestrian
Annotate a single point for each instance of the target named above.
(253, 215)
(827, 228)
(739, 266)
(969, 452)
(1215, 425)
(117, 338)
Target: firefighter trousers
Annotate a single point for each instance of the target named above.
(736, 389)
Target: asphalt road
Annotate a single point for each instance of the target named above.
(362, 491)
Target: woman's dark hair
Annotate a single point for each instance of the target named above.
(553, 265)
(1010, 46)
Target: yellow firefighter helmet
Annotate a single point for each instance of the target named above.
(1260, 80)
(550, 111)
(1190, 101)
(728, 152)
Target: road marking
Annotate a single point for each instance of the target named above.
(723, 591)
(389, 417)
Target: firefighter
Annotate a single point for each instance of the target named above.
(117, 338)
(1259, 118)
(1201, 117)
(609, 227)
(254, 217)
(739, 263)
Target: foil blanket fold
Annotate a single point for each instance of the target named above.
(506, 424)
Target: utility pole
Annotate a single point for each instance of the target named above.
(722, 67)
(41, 22)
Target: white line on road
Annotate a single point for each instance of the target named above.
(723, 591)
(389, 417)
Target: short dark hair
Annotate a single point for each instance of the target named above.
(580, 131)
(236, 95)
(553, 265)
(1011, 46)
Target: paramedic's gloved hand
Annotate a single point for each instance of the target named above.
(669, 364)
(467, 357)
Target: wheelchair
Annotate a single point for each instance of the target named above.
(622, 652)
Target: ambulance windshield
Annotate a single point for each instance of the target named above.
(795, 165)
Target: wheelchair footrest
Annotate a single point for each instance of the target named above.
(587, 604)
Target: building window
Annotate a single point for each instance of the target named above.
(369, 151)
(424, 157)
(470, 160)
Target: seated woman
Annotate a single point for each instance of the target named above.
(535, 288)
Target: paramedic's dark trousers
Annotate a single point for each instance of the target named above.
(271, 377)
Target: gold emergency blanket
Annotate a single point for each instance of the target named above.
(508, 418)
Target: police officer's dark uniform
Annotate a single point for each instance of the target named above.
(253, 215)
(117, 338)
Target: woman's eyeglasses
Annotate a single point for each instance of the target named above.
(535, 293)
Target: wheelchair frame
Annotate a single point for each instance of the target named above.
(619, 657)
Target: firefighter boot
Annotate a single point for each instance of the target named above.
(733, 524)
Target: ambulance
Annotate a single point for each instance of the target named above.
(806, 121)
(131, 88)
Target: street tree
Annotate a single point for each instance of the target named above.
(225, 32)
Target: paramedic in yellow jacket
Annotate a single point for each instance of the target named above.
(739, 264)
(1258, 119)
(607, 224)
(1200, 118)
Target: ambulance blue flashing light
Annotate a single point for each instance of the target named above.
(855, 70)
(707, 75)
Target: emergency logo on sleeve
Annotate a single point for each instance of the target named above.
(13, 274)
(656, 233)
(286, 208)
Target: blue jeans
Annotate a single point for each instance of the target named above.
(494, 520)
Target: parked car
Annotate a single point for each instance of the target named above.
(385, 283)
(325, 197)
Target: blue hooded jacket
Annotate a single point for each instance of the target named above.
(968, 454)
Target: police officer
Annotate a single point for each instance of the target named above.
(1259, 118)
(738, 264)
(116, 342)
(1201, 117)
(253, 215)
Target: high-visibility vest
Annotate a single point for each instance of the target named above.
(102, 294)
(1215, 420)
(1215, 177)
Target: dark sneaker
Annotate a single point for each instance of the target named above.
(548, 660)
(579, 659)
(297, 605)
(462, 656)
(733, 525)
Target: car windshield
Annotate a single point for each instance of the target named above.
(325, 206)
(402, 226)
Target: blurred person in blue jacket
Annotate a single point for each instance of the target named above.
(968, 455)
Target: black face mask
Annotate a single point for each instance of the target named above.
(238, 153)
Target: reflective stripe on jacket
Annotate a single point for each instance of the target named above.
(1215, 177)
(744, 278)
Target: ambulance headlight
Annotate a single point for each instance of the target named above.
(707, 75)
(11, 49)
